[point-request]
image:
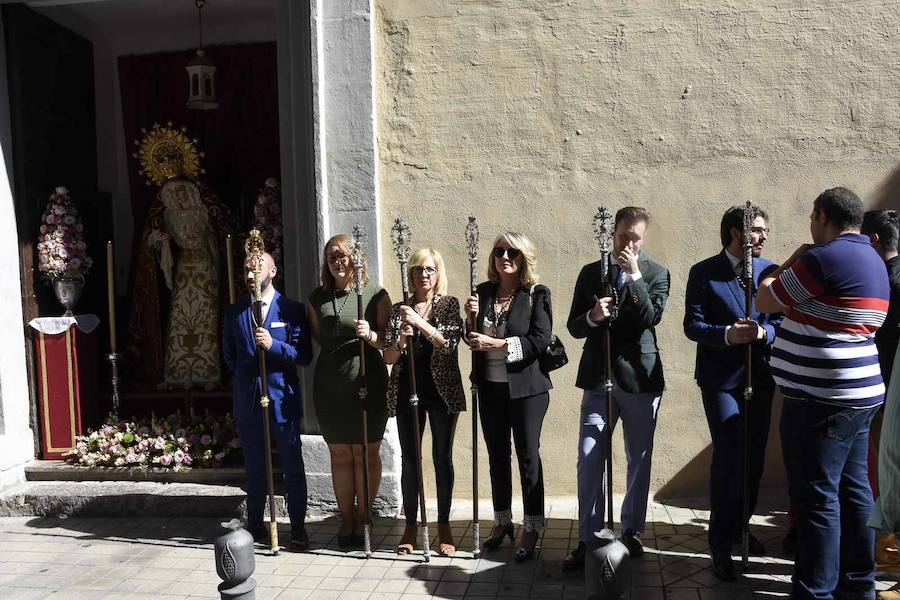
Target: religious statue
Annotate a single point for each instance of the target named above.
(182, 240)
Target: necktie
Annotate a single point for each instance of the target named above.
(618, 277)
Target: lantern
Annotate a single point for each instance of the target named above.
(201, 73)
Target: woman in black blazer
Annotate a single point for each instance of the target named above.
(513, 326)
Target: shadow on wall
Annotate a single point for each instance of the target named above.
(692, 480)
(888, 194)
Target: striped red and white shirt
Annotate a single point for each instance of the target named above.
(836, 297)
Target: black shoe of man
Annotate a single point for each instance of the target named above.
(575, 560)
(723, 566)
(756, 547)
(632, 541)
(789, 543)
(260, 534)
(299, 539)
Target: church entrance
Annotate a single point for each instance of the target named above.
(169, 153)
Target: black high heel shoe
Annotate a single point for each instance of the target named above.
(525, 549)
(497, 534)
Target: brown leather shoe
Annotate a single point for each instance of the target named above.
(408, 539)
(445, 540)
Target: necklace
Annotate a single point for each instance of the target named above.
(338, 311)
(424, 313)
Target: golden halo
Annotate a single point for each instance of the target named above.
(165, 152)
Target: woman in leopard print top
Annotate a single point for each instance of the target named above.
(431, 327)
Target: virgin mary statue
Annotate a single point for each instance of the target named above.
(179, 279)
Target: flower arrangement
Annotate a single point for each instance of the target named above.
(267, 214)
(169, 443)
(61, 248)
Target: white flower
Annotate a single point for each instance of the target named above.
(62, 191)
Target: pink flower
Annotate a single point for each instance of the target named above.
(187, 460)
(61, 190)
(178, 457)
(205, 439)
(59, 209)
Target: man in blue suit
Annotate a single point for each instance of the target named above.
(284, 336)
(715, 319)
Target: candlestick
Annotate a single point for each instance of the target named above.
(230, 261)
(111, 297)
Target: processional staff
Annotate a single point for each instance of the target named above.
(472, 248)
(255, 249)
(748, 382)
(603, 229)
(358, 255)
(400, 238)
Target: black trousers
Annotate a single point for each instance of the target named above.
(523, 417)
(443, 430)
(725, 415)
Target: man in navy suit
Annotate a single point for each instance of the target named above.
(715, 319)
(284, 336)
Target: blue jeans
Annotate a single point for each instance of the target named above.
(638, 412)
(826, 457)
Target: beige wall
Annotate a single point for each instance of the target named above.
(530, 113)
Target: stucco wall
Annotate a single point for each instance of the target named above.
(530, 113)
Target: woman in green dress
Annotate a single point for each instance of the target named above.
(332, 317)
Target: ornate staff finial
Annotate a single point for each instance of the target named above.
(603, 227)
(603, 230)
(254, 248)
(748, 242)
(358, 254)
(472, 238)
(401, 237)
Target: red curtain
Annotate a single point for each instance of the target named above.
(239, 139)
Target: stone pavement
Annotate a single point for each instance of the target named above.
(81, 558)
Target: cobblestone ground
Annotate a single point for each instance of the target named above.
(171, 558)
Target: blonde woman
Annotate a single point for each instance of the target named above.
(513, 326)
(430, 327)
(334, 325)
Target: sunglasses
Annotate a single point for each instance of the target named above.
(512, 253)
(423, 271)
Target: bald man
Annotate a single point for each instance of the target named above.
(283, 335)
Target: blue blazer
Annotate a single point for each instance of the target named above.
(286, 321)
(714, 300)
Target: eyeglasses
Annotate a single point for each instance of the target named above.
(419, 271)
(759, 230)
(512, 253)
(338, 258)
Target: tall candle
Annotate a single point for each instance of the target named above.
(230, 261)
(111, 297)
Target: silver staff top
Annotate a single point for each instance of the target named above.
(748, 242)
(358, 254)
(472, 238)
(400, 239)
(603, 230)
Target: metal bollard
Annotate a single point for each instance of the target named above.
(607, 570)
(235, 563)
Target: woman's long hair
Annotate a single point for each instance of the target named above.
(528, 276)
(342, 241)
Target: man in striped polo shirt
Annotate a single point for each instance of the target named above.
(835, 296)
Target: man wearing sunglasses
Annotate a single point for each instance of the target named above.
(642, 288)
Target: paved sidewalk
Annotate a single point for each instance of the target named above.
(171, 558)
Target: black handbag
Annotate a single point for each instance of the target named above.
(554, 355)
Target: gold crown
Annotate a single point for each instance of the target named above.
(166, 152)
